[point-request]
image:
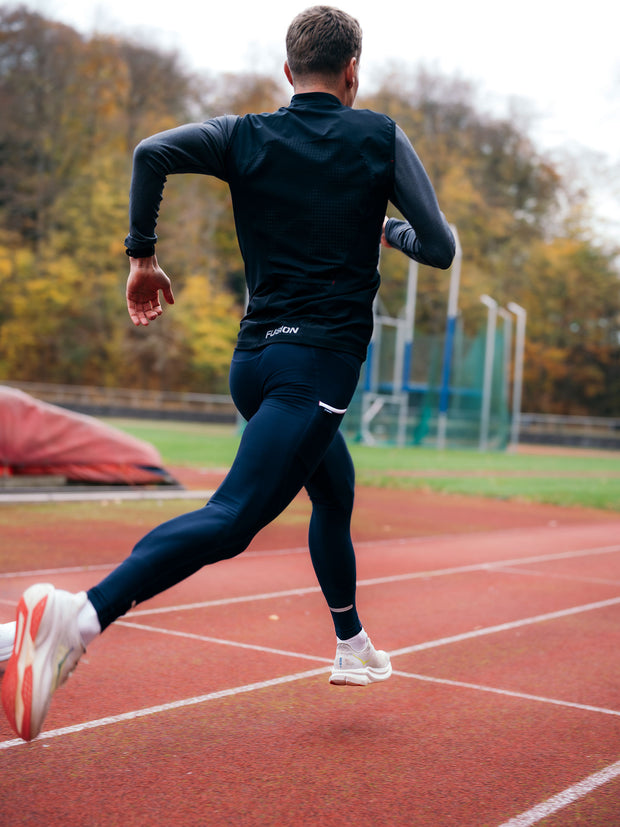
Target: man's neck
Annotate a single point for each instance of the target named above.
(307, 88)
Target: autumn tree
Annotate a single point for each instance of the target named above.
(73, 109)
(40, 93)
(525, 238)
(76, 108)
(573, 351)
(490, 181)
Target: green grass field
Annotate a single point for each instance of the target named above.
(572, 479)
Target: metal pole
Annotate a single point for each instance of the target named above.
(374, 346)
(507, 352)
(489, 355)
(412, 289)
(404, 351)
(453, 295)
(521, 315)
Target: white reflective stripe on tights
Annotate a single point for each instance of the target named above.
(331, 409)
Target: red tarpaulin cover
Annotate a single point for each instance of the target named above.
(40, 439)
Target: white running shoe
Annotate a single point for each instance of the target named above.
(359, 668)
(47, 649)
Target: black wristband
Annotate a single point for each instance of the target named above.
(144, 252)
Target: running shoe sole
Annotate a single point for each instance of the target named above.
(361, 677)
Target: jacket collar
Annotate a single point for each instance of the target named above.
(306, 99)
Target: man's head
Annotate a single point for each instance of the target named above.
(321, 42)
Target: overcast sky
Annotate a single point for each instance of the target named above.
(561, 59)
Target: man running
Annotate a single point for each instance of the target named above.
(310, 185)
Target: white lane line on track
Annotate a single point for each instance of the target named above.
(191, 636)
(507, 692)
(473, 567)
(8, 575)
(494, 565)
(12, 498)
(504, 627)
(600, 581)
(564, 798)
(526, 819)
(405, 650)
(154, 710)
(411, 675)
(312, 673)
(377, 581)
(224, 601)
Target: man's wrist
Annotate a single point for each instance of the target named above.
(140, 252)
(389, 225)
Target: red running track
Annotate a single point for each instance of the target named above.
(210, 705)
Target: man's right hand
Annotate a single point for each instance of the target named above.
(384, 241)
(146, 279)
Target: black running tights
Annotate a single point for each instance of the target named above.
(293, 398)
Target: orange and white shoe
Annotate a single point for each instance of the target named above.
(47, 649)
(353, 668)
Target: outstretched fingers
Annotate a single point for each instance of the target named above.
(146, 279)
(142, 312)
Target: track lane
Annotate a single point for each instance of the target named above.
(478, 730)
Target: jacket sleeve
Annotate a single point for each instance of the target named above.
(425, 235)
(198, 148)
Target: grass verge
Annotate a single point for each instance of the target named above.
(570, 479)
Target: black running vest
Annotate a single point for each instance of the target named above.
(310, 185)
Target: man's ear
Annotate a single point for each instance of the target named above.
(288, 73)
(350, 72)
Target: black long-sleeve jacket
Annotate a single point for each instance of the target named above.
(310, 185)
